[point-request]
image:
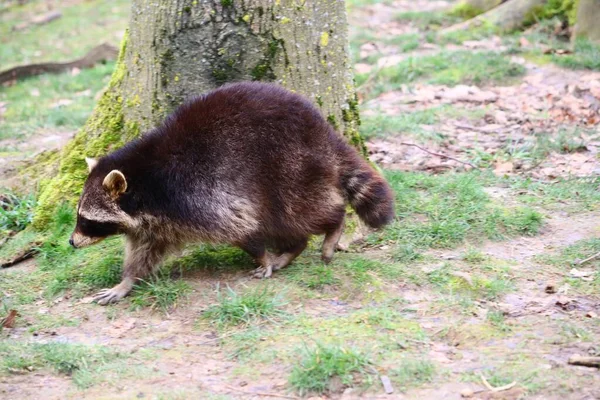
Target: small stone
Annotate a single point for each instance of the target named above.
(466, 393)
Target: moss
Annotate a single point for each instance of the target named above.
(333, 121)
(565, 10)
(226, 3)
(465, 10)
(104, 130)
(263, 70)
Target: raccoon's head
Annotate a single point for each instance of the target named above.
(98, 211)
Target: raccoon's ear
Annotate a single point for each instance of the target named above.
(91, 163)
(115, 183)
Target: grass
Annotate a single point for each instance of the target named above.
(381, 125)
(567, 259)
(586, 55)
(51, 103)
(445, 68)
(82, 26)
(160, 292)
(321, 364)
(253, 305)
(427, 20)
(413, 372)
(444, 211)
(16, 212)
(73, 360)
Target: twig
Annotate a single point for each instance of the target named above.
(590, 258)
(265, 394)
(439, 155)
(593, 362)
(496, 389)
(25, 255)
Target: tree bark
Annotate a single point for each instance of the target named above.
(588, 20)
(507, 17)
(178, 48)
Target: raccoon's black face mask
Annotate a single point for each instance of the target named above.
(98, 214)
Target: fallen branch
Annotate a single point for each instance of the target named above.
(99, 53)
(593, 362)
(439, 155)
(264, 394)
(496, 389)
(39, 20)
(24, 255)
(590, 258)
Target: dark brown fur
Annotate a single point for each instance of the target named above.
(249, 164)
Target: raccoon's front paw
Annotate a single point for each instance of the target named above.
(263, 272)
(107, 296)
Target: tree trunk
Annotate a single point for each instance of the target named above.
(178, 48)
(588, 20)
(507, 16)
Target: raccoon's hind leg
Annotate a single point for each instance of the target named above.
(268, 261)
(332, 237)
(140, 260)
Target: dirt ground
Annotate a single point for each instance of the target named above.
(519, 341)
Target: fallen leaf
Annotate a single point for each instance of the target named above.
(503, 168)
(9, 320)
(524, 42)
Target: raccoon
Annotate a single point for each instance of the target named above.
(248, 164)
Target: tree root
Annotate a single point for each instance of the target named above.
(99, 53)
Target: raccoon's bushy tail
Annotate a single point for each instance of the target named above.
(366, 190)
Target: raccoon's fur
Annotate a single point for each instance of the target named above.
(249, 164)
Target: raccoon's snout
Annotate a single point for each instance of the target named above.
(72, 243)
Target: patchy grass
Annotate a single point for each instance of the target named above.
(586, 55)
(50, 103)
(427, 20)
(77, 361)
(443, 211)
(160, 292)
(320, 365)
(381, 125)
(83, 25)
(244, 309)
(568, 258)
(16, 212)
(444, 68)
(574, 194)
(413, 372)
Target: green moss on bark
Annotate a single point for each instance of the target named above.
(105, 130)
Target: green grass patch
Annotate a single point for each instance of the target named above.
(444, 211)
(568, 258)
(16, 212)
(586, 55)
(243, 309)
(82, 26)
(381, 125)
(444, 68)
(160, 292)
(77, 361)
(427, 20)
(321, 366)
(51, 102)
(413, 373)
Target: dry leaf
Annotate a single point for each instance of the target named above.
(9, 321)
